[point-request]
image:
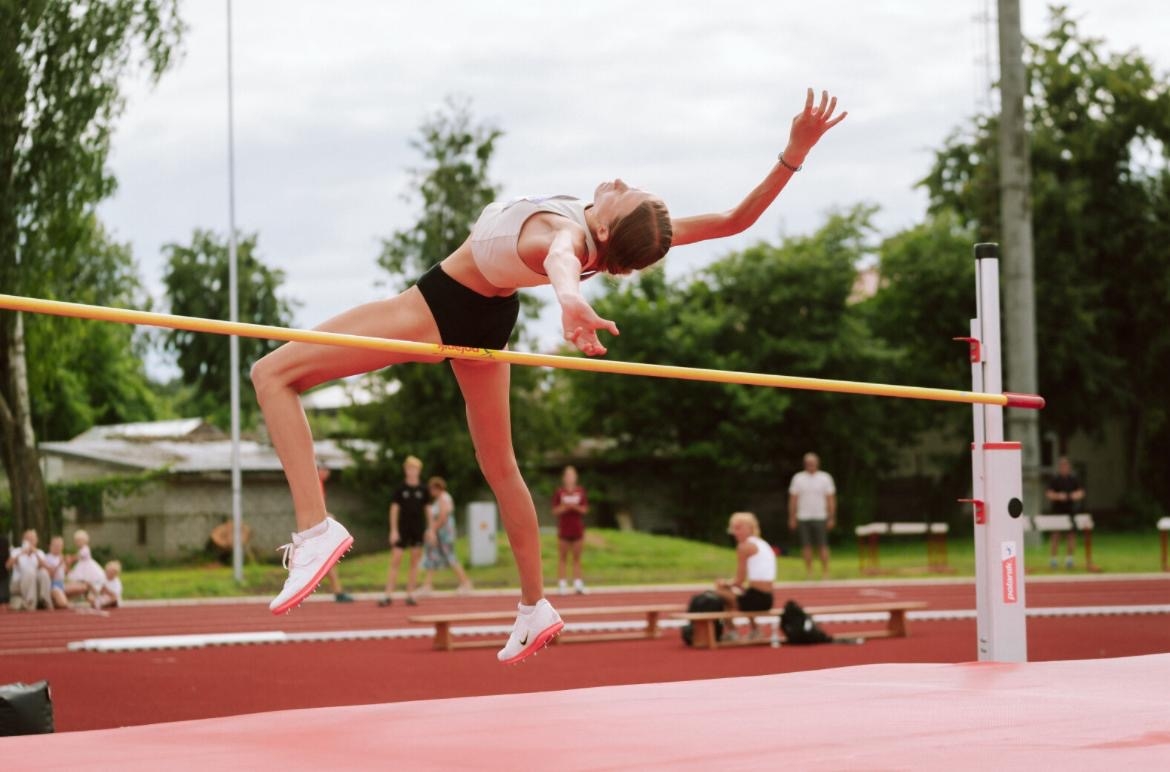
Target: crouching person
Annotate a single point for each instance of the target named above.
(755, 570)
(109, 593)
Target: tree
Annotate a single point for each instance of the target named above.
(1100, 129)
(84, 372)
(196, 281)
(424, 415)
(60, 70)
(774, 309)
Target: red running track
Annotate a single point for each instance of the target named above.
(93, 690)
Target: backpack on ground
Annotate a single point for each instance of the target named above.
(703, 602)
(799, 628)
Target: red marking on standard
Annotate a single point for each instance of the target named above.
(1001, 446)
(307, 590)
(1029, 401)
(976, 352)
(1010, 573)
(980, 510)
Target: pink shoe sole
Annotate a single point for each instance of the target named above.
(308, 589)
(542, 640)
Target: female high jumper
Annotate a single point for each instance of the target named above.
(469, 299)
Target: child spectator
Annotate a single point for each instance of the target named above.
(109, 594)
(54, 563)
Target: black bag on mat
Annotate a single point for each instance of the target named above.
(799, 628)
(25, 709)
(704, 601)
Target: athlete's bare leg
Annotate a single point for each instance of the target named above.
(283, 375)
(485, 387)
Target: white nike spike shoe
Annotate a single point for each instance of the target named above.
(308, 559)
(532, 631)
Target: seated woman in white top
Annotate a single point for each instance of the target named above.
(469, 300)
(755, 568)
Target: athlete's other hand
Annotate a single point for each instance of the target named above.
(810, 125)
(581, 323)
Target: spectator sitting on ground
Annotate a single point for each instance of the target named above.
(54, 563)
(755, 569)
(109, 594)
(29, 585)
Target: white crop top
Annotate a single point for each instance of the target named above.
(495, 235)
(761, 567)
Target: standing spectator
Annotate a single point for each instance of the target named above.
(407, 523)
(440, 536)
(755, 570)
(1065, 493)
(339, 593)
(812, 509)
(54, 563)
(570, 505)
(29, 585)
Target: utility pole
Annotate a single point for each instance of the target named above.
(1015, 205)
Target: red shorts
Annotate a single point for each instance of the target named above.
(571, 527)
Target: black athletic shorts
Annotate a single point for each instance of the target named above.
(408, 540)
(754, 600)
(465, 317)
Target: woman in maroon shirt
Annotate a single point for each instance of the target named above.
(570, 504)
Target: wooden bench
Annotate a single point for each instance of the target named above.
(703, 623)
(444, 639)
(1064, 523)
(869, 534)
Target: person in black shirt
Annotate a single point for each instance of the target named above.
(407, 524)
(1064, 495)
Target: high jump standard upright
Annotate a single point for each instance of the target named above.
(997, 485)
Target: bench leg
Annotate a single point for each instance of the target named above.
(443, 636)
(1165, 550)
(1089, 565)
(897, 623)
(703, 634)
(651, 624)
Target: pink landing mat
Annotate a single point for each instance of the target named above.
(1067, 715)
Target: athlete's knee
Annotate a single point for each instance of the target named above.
(497, 468)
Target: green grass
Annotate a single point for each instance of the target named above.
(617, 558)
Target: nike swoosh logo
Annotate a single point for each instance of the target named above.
(524, 640)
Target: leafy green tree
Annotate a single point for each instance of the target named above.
(424, 415)
(1100, 129)
(196, 280)
(773, 309)
(61, 65)
(86, 373)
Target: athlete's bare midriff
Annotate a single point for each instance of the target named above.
(533, 243)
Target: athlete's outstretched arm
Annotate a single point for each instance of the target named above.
(807, 128)
(578, 319)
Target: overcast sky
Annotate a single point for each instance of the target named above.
(691, 100)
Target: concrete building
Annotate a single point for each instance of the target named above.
(182, 491)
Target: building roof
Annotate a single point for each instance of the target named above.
(183, 446)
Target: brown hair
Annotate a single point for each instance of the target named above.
(639, 239)
(437, 482)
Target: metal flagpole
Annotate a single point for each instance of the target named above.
(234, 315)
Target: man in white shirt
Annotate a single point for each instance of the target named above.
(812, 509)
(29, 585)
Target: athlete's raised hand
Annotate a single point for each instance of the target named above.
(810, 125)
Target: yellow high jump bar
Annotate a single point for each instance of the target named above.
(270, 332)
